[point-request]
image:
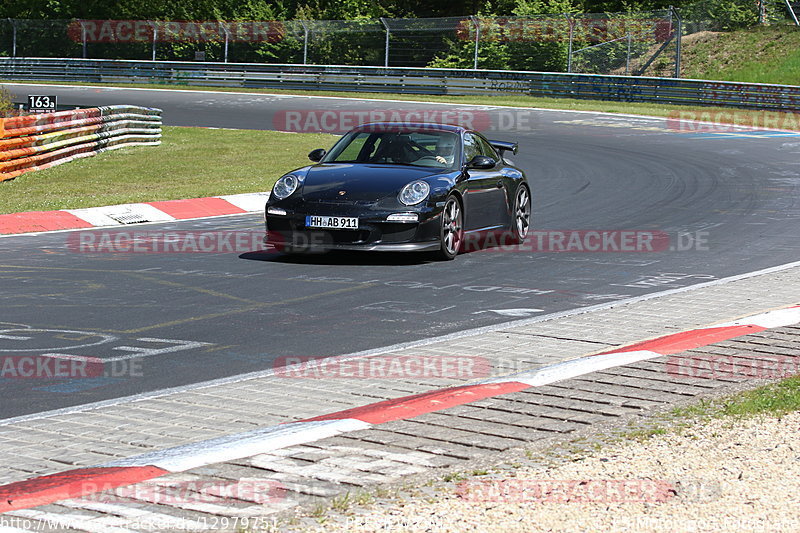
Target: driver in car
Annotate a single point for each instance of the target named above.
(444, 150)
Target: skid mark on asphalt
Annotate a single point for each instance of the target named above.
(202, 290)
(251, 305)
(248, 308)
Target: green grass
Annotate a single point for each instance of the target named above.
(190, 163)
(775, 399)
(764, 54)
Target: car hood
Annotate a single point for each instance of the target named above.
(360, 183)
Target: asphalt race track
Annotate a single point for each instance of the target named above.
(727, 201)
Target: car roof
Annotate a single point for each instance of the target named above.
(410, 126)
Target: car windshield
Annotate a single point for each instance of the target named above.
(428, 148)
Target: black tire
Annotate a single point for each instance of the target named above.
(521, 222)
(451, 229)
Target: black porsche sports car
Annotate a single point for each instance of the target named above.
(401, 187)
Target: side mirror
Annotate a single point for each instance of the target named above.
(317, 155)
(482, 162)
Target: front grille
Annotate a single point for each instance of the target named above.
(368, 233)
(397, 232)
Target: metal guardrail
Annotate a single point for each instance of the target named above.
(408, 80)
(36, 142)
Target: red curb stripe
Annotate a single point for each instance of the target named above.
(40, 221)
(74, 483)
(71, 484)
(687, 340)
(197, 207)
(426, 402)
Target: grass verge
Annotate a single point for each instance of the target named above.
(190, 163)
(763, 54)
(775, 399)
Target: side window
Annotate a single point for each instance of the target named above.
(488, 149)
(472, 147)
(352, 150)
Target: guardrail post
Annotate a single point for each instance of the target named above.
(305, 42)
(83, 39)
(13, 23)
(224, 27)
(571, 31)
(678, 39)
(628, 57)
(155, 37)
(386, 52)
(477, 23)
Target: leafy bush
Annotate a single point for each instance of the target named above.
(723, 14)
(6, 106)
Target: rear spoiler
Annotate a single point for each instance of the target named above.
(504, 146)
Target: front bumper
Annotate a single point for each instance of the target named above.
(288, 232)
(281, 245)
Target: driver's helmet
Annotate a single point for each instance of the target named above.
(446, 145)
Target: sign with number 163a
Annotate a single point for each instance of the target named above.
(38, 103)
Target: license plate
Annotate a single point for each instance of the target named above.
(331, 222)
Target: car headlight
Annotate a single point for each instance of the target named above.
(285, 186)
(414, 193)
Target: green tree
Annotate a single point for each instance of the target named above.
(6, 105)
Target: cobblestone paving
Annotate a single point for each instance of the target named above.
(450, 440)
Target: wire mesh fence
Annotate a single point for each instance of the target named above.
(636, 44)
(644, 43)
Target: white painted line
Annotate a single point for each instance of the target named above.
(105, 215)
(576, 367)
(401, 346)
(250, 202)
(237, 446)
(73, 357)
(94, 216)
(771, 319)
(521, 312)
(141, 351)
(14, 338)
(77, 334)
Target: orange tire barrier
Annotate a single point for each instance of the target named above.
(37, 142)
